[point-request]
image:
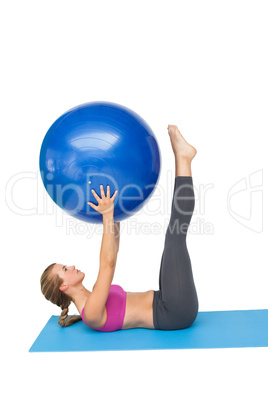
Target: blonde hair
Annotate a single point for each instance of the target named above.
(50, 284)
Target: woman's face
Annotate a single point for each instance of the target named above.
(70, 275)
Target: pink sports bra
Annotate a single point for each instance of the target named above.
(115, 307)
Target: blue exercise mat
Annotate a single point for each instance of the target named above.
(213, 329)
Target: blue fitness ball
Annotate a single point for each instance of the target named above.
(99, 143)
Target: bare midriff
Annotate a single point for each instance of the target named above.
(139, 310)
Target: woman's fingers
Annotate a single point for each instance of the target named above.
(103, 197)
(102, 191)
(105, 203)
(108, 191)
(96, 195)
(93, 206)
(113, 197)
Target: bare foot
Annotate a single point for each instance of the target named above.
(180, 146)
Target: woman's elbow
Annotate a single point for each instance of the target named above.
(108, 264)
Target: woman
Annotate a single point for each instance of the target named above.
(108, 307)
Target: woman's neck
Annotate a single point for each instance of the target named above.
(79, 296)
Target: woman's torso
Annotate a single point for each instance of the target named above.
(138, 311)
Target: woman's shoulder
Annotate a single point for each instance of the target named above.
(90, 317)
(91, 313)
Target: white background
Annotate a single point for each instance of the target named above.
(201, 65)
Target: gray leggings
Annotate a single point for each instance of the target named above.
(175, 304)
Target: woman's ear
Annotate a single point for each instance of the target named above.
(63, 288)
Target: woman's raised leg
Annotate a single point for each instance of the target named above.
(176, 303)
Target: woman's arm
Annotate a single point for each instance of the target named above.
(116, 237)
(108, 250)
(95, 305)
(116, 241)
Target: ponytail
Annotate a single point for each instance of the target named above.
(65, 321)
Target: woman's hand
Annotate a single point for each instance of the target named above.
(105, 203)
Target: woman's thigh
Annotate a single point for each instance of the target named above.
(176, 302)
